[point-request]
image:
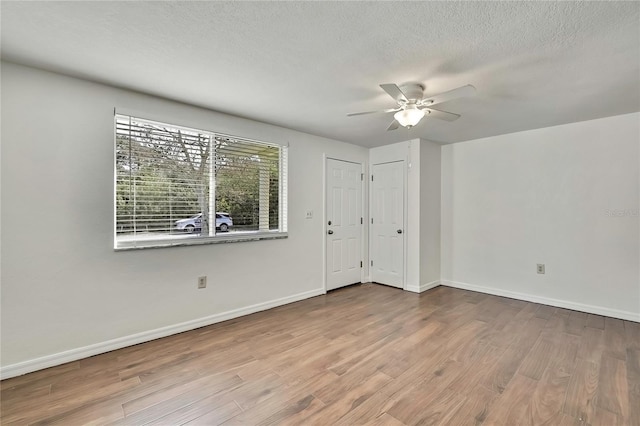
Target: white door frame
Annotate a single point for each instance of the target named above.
(364, 229)
(405, 229)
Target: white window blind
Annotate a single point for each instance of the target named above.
(178, 186)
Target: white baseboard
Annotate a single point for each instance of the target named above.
(591, 309)
(423, 287)
(47, 361)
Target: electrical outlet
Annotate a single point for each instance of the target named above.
(540, 268)
(202, 282)
(309, 214)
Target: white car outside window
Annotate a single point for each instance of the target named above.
(194, 223)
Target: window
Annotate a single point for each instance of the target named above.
(177, 186)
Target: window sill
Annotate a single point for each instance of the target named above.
(195, 241)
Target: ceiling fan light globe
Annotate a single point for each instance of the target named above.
(409, 117)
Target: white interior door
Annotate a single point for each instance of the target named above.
(387, 224)
(344, 223)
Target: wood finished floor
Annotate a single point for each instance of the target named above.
(367, 354)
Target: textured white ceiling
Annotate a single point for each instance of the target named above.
(305, 65)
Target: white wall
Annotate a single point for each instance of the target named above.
(64, 287)
(413, 224)
(430, 208)
(508, 202)
(546, 196)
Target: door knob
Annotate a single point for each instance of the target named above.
(329, 232)
(399, 231)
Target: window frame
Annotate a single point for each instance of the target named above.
(231, 237)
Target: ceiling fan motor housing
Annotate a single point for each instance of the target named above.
(413, 91)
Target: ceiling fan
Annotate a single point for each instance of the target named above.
(412, 105)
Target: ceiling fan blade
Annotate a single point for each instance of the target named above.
(394, 91)
(442, 115)
(373, 112)
(394, 125)
(467, 90)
